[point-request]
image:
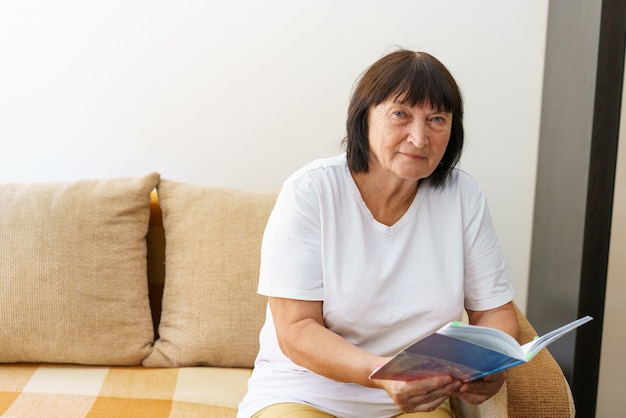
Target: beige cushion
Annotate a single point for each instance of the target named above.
(211, 313)
(73, 283)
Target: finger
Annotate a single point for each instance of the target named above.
(428, 406)
(426, 395)
(481, 386)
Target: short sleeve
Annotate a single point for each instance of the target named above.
(291, 249)
(487, 281)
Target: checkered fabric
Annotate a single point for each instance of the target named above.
(32, 390)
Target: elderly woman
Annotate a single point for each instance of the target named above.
(368, 251)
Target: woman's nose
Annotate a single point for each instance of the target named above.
(418, 135)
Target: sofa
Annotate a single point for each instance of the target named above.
(136, 297)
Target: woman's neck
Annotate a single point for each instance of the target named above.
(388, 201)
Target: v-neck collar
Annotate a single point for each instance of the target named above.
(400, 223)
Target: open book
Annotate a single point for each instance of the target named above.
(466, 352)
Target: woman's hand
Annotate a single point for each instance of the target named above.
(423, 395)
(479, 391)
(503, 318)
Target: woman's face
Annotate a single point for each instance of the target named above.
(407, 141)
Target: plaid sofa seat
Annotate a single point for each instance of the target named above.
(30, 390)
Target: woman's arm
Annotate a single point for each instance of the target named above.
(503, 318)
(304, 338)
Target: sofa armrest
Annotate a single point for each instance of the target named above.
(537, 388)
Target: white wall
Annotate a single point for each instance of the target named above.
(241, 93)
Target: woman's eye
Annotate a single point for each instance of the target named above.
(438, 119)
(399, 113)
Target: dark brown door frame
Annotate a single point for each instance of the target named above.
(598, 214)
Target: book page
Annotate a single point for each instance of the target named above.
(533, 347)
(489, 338)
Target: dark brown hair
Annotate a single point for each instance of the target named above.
(417, 77)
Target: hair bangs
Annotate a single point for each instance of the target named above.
(424, 85)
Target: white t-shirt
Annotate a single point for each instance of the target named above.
(383, 287)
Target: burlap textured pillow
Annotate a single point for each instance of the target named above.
(73, 282)
(211, 312)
